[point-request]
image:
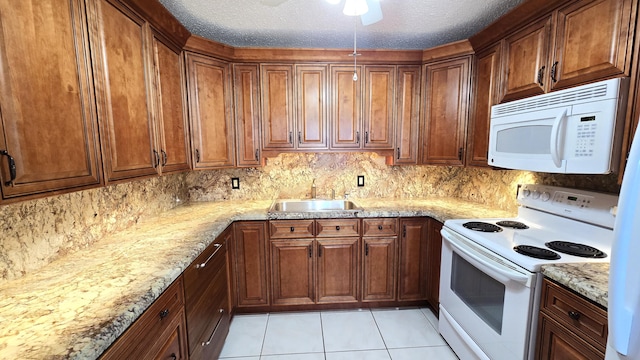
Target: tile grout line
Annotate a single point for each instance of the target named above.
(264, 335)
(380, 332)
(324, 346)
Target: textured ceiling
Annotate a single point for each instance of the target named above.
(407, 24)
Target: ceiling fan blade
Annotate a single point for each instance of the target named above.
(273, 2)
(373, 15)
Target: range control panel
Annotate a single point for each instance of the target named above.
(588, 206)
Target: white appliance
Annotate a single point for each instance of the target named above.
(572, 131)
(624, 272)
(489, 285)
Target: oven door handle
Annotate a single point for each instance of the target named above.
(488, 263)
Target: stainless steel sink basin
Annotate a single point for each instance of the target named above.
(313, 205)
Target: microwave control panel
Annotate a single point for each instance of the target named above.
(586, 137)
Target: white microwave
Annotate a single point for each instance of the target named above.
(572, 131)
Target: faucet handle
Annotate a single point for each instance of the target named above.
(346, 195)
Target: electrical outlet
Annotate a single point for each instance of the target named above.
(235, 183)
(360, 180)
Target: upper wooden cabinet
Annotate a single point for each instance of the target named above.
(209, 84)
(407, 115)
(486, 90)
(446, 93)
(581, 42)
(311, 107)
(246, 90)
(46, 95)
(346, 108)
(172, 126)
(276, 83)
(379, 107)
(123, 72)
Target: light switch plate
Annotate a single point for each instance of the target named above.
(235, 183)
(360, 180)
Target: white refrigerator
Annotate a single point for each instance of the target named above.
(624, 273)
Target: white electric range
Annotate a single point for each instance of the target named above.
(490, 273)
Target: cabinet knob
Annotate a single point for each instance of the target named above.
(292, 229)
(173, 357)
(164, 313)
(574, 315)
(380, 227)
(337, 228)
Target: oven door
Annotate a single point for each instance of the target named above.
(486, 302)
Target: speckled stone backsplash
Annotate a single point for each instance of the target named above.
(291, 175)
(36, 232)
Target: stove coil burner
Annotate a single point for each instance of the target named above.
(536, 252)
(574, 249)
(512, 224)
(482, 226)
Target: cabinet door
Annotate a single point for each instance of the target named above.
(379, 103)
(445, 114)
(338, 269)
(434, 239)
(123, 92)
(486, 89)
(311, 95)
(592, 42)
(46, 95)
(292, 271)
(276, 82)
(526, 58)
(346, 108)
(413, 259)
(210, 112)
(247, 111)
(251, 264)
(379, 273)
(407, 115)
(171, 113)
(555, 342)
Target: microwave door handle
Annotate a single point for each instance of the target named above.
(555, 138)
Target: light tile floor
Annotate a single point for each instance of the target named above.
(380, 334)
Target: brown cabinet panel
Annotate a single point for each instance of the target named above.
(171, 115)
(291, 229)
(122, 71)
(379, 107)
(433, 263)
(247, 111)
(338, 270)
(413, 259)
(486, 94)
(592, 42)
(292, 271)
(407, 115)
(380, 227)
(337, 227)
(46, 94)
(251, 277)
(527, 61)
(276, 83)
(311, 95)
(555, 342)
(346, 108)
(379, 269)
(445, 111)
(210, 112)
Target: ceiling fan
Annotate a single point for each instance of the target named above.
(369, 10)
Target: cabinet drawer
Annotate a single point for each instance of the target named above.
(211, 346)
(337, 227)
(291, 229)
(574, 312)
(204, 268)
(380, 227)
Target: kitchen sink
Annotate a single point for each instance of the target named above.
(313, 205)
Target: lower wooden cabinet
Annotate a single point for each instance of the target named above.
(159, 333)
(337, 270)
(250, 264)
(434, 253)
(379, 269)
(570, 327)
(292, 271)
(413, 259)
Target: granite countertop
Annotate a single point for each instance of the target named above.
(590, 280)
(76, 306)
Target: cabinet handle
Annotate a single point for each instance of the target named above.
(292, 229)
(574, 315)
(398, 153)
(404, 230)
(337, 228)
(290, 137)
(358, 137)
(299, 137)
(380, 227)
(12, 168)
(319, 251)
(310, 250)
(156, 162)
(460, 154)
(205, 343)
(257, 155)
(197, 155)
(218, 247)
(554, 68)
(164, 313)
(173, 357)
(164, 157)
(366, 137)
(540, 75)
(366, 249)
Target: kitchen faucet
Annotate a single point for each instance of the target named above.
(313, 189)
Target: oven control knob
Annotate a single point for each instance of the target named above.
(535, 194)
(526, 192)
(545, 196)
